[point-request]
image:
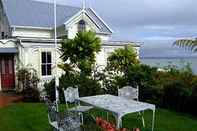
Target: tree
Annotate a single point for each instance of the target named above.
(122, 58)
(81, 51)
(187, 44)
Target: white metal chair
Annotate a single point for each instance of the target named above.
(71, 95)
(66, 121)
(129, 92)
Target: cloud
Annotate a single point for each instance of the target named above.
(148, 21)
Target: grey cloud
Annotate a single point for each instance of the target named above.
(148, 21)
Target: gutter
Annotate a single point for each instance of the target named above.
(31, 27)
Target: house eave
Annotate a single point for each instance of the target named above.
(38, 40)
(32, 27)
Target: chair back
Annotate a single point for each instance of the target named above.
(71, 94)
(129, 92)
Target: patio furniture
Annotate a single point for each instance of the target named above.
(129, 92)
(71, 95)
(66, 121)
(119, 106)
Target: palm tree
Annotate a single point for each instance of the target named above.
(80, 52)
(190, 44)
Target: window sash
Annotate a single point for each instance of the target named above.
(81, 25)
(46, 63)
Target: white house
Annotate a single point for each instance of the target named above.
(27, 36)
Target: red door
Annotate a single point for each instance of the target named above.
(7, 72)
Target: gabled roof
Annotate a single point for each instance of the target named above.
(29, 13)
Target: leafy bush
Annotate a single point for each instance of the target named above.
(141, 75)
(28, 84)
(31, 95)
(87, 86)
(50, 89)
(172, 88)
(27, 78)
(176, 95)
(121, 59)
(81, 51)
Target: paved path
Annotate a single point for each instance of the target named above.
(6, 99)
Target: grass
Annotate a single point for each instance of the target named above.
(33, 117)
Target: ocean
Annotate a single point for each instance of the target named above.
(178, 62)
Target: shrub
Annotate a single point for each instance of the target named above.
(28, 84)
(141, 75)
(31, 95)
(27, 78)
(121, 59)
(176, 95)
(87, 86)
(81, 51)
(49, 88)
(193, 100)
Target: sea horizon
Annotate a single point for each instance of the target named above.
(179, 62)
(166, 57)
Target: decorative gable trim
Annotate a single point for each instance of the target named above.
(101, 20)
(81, 12)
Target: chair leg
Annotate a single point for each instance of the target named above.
(81, 114)
(55, 129)
(142, 117)
(107, 116)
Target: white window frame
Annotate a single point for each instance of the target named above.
(45, 64)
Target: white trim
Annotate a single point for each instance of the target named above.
(84, 11)
(73, 17)
(93, 20)
(31, 27)
(78, 15)
(101, 20)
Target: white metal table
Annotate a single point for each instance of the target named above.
(119, 106)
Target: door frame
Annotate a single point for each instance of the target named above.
(14, 71)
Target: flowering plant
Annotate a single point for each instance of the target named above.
(107, 126)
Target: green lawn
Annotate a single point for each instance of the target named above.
(33, 117)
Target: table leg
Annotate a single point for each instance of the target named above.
(153, 120)
(118, 122)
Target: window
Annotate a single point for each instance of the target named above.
(2, 35)
(46, 63)
(81, 25)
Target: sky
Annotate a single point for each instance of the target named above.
(154, 23)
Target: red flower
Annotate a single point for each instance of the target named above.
(123, 129)
(136, 129)
(107, 126)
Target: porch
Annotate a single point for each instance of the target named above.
(8, 58)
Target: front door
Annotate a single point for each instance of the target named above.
(7, 72)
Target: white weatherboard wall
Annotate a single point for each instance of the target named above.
(30, 32)
(32, 59)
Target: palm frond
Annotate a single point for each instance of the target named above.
(187, 44)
